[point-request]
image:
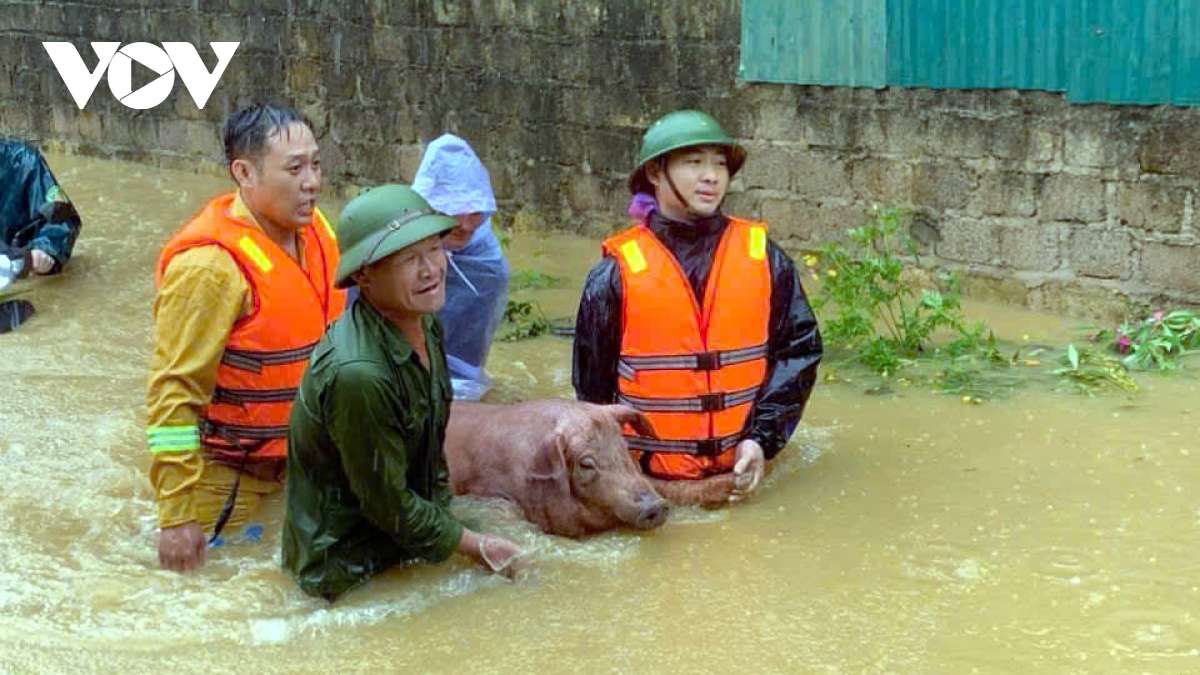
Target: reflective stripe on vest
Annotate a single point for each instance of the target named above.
(267, 350)
(243, 396)
(693, 366)
(628, 366)
(713, 402)
(254, 361)
(236, 434)
(706, 448)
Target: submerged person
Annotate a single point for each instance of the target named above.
(368, 487)
(245, 291)
(696, 318)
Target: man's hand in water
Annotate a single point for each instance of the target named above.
(747, 469)
(42, 262)
(182, 548)
(497, 554)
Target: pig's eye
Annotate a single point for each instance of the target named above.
(587, 463)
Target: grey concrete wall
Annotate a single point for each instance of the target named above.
(1052, 202)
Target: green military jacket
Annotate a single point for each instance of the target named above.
(367, 486)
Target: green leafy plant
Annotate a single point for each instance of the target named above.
(504, 236)
(523, 320)
(1088, 370)
(870, 307)
(1159, 340)
(525, 280)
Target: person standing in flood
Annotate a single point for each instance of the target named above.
(454, 182)
(697, 319)
(245, 291)
(368, 487)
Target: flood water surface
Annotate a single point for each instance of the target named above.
(909, 533)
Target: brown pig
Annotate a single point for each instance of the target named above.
(564, 463)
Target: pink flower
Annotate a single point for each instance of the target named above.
(1158, 316)
(1123, 344)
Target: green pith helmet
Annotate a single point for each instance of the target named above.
(379, 222)
(682, 129)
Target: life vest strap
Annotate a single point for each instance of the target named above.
(709, 447)
(240, 397)
(628, 366)
(705, 403)
(253, 361)
(237, 433)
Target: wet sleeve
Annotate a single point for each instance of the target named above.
(374, 446)
(57, 235)
(598, 329)
(793, 353)
(58, 222)
(441, 488)
(201, 295)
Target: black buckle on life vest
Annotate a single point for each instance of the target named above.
(709, 447)
(708, 361)
(712, 402)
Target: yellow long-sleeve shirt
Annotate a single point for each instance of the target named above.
(201, 296)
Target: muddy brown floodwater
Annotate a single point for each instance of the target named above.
(1044, 533)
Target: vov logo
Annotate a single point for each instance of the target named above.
(172, 57)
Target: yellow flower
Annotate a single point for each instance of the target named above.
(810, 261)
(832, 273)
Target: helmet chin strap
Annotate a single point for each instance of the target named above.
(678, 195)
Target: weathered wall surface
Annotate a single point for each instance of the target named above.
(1056, 202)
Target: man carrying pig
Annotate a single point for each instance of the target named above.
(367, 484)
(698, 320)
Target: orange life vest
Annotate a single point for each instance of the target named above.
(267, 350)
(694, 369)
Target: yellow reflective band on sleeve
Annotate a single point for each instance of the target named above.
(325, 222)
(633, 256)
(758, 243)
(183, 438)
(256, 254)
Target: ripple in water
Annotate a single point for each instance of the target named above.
(1064, 564)
(1164, 630)
(945, 562)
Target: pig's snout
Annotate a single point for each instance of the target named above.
(652, 511)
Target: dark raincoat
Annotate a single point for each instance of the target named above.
(367, 486)
(794, 347)
(35, 213)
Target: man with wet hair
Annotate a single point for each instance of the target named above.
(245, 290)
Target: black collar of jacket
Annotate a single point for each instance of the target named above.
(666, 228)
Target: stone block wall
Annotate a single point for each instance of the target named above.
(1057, 202)
(1066, 203)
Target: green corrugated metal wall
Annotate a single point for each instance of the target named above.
(972, 44)
(815, 41)
(1114, 51)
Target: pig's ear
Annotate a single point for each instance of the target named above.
(549, 501)
(634, 418)
(550, 460)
